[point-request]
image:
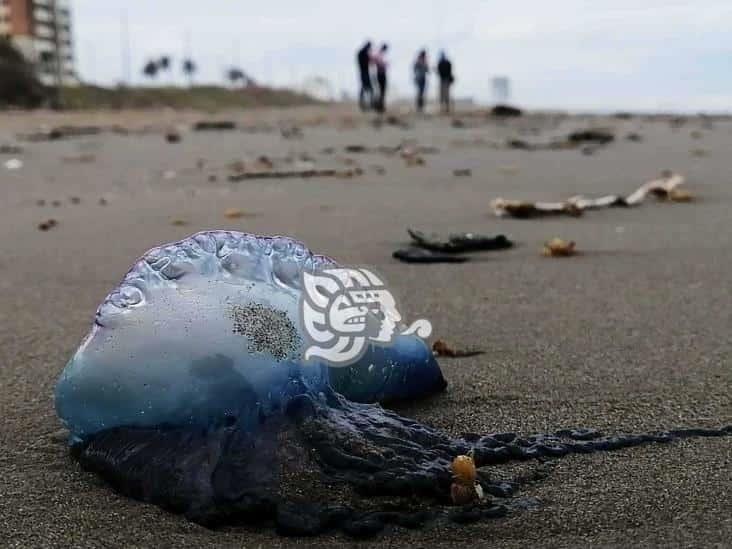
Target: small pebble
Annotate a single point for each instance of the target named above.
(47, 225)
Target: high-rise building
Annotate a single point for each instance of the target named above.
(41, 30)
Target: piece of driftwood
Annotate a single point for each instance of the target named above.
(285, 174)
(665, 187)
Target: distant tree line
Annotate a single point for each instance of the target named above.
(155, 67)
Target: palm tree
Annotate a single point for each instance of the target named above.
(150, 69)
(235, 75)
(189, 69)
(164, 64)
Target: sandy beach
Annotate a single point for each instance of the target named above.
(631, 335)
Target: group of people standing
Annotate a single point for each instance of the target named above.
(369, 98)
(445, 74)
(373, 66)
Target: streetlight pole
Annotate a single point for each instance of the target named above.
(57, 56)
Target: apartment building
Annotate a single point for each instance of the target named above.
(38, 29)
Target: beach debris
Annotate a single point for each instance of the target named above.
(56, 203)
(597, 135)
(462, 172)
(103, 201)
(40, 202)
(47, 225)
(662, 187)
(237, 166)
(457, 123)
(413, 161)
(587, 140)
(465, 488)
(178, 222)
(172, 136)
(443, 349)
(85, 158)
(214, 125)
(285, 174)
(7, 148)
(75, 200)
(458, 242)
(505, 111)
(61, 132)
(237, 213)
(699, 153)
(421, 255)
(13, 164)
(411, 156)
(508, 169)
(390, 120)
(405, 149)
(556, 247)
(680, 195)
(264, 162)
(522, 144)
(521, 209)
(291, 132)
(635, 137)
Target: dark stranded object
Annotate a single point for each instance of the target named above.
(506, 111)
(214, 125)
(420, 255)
(459, 242)
(47, 225)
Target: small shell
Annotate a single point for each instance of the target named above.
(463, 467)
(680, 195)
(556, 247)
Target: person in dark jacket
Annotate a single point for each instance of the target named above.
(363, 60)
(421, 70)
(444, 70)
(381, 64)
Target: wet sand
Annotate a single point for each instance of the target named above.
(631, 335)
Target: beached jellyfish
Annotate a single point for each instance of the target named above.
(206, 331)
(191, 392)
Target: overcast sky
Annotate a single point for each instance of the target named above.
(575, 54)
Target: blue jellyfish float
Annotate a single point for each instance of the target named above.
(191, 392)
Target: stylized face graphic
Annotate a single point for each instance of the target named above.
(343, 309)
(365, 311)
